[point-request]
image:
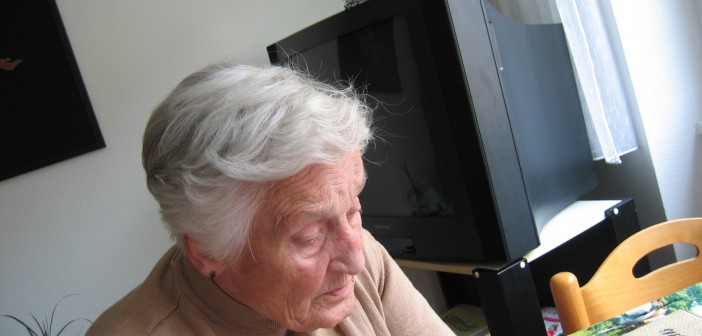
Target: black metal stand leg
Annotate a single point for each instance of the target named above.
(509, 300)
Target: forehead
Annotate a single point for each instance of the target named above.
(318, 188)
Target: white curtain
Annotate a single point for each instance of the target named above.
(589, 34)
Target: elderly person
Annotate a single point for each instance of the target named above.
(257, 172)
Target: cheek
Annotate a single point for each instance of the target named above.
(308, 275)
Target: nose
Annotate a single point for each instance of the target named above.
(348, 249)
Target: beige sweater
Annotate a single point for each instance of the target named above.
(176, 300)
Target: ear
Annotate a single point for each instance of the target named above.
(206, 265)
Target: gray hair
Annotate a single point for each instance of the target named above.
(214, 145)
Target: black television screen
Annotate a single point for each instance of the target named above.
(436, 190)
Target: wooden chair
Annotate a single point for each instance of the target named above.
(614, 289)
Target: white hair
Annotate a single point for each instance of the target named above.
(214, 145)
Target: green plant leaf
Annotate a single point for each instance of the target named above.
(69, 323)
(46, 325)
(42, 329)
(29, 330)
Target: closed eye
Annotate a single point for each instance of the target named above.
(311, 240)
(352, 213)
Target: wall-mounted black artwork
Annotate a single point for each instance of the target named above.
(45, 113)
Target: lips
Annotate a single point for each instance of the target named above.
(343, 290)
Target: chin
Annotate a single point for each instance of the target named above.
(340, 312)
(328, 318)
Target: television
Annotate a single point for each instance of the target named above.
(481, 137)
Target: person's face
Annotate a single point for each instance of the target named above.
(305, 249)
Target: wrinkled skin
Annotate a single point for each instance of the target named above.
(305, 249)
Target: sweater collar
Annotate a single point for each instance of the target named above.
(221, 308)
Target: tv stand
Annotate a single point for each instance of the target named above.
(512, 293)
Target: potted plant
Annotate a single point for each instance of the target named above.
(46, 326)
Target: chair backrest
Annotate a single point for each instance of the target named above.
(614, 289)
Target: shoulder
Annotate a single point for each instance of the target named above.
(380, 266)
(375, 255)
(389, 298)
(143, 309)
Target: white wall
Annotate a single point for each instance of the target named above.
(88, 225)
(662, 42)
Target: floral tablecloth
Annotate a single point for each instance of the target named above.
(688, 299)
